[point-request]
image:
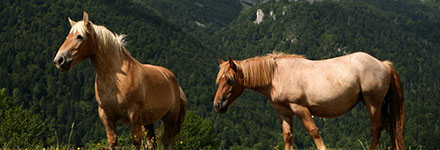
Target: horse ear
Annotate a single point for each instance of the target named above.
(220, 61)
(86, 21)
(235, 68)
(232, 64)
(86, 18)
(72, 23)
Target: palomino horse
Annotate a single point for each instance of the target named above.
(126, 90)
(296, 86)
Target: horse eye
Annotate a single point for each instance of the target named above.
(79, 37)
(229, 81)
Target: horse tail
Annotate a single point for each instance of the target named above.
(183, 103)
(394, 111)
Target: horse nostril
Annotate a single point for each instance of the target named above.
(218, 106)
(60, 61)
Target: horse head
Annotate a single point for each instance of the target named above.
(230, 85)
(79, 44)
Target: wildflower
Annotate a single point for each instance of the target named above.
(145, 133)
(181, 142)
(98, 144)
(78, 148)
(44, 148)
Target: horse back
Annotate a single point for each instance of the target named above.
(323, 85)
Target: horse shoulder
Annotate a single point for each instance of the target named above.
(286, 81)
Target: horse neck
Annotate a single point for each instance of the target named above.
(107, 62)
(257, 72)
(265, 88)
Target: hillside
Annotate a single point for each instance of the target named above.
(166, 33)
(197, 12)
(405, 33)
(32, 31)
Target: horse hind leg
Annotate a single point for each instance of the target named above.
(376, 119)
(170, 122)
(173, 121)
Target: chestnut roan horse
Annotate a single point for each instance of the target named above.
(126, 90)
(296, 86)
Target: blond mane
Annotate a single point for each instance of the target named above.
(257, 71)
(106, 40)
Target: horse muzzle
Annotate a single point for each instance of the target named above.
(220, 107)
(63, 61)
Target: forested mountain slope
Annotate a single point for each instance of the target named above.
(405, 33)
(166, 33)
(32, 31)
(204, 12)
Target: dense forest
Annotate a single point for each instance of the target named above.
(43, 107)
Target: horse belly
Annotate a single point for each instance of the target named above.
(333, 105)
(158, 102)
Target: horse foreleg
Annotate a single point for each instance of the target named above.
(286, 124)
(151, 137)
(110, 129)
(305, 116)
(136, 129)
